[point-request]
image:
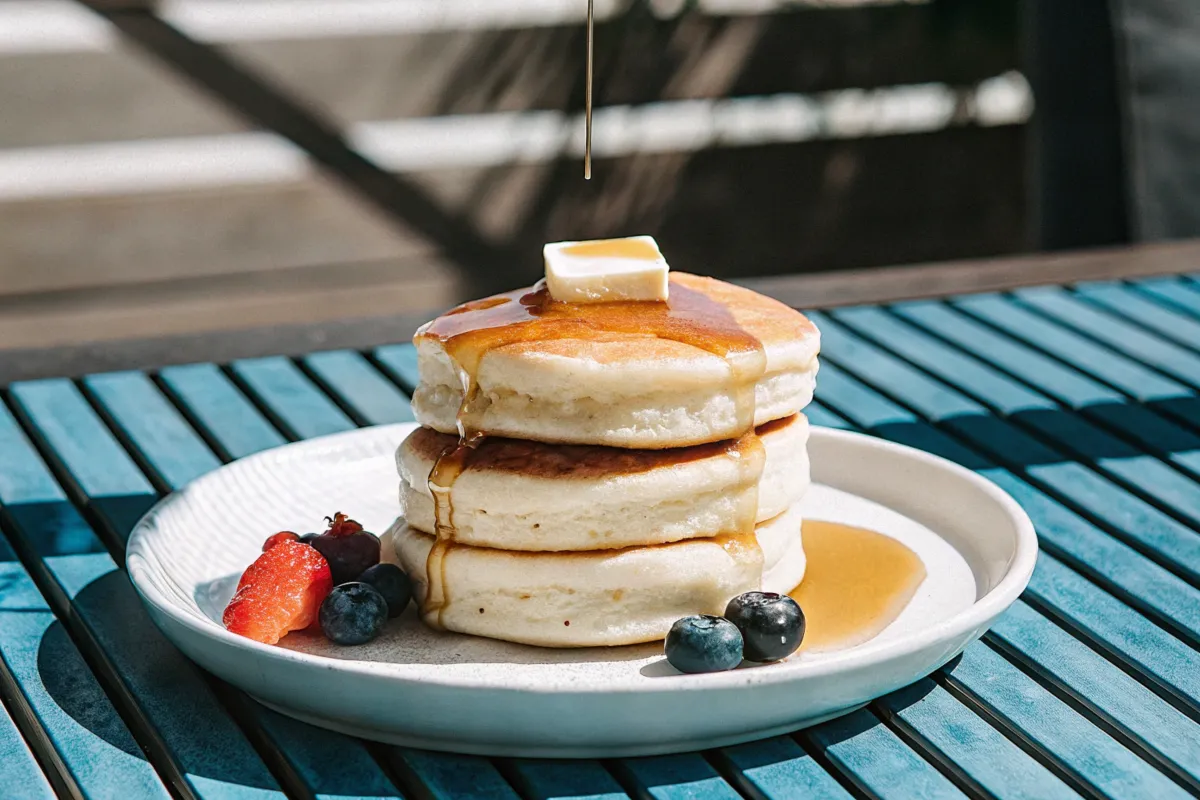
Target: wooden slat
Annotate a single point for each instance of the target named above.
(193, 742)
(677, 777)
(550, 780)
(1174, 603)
(1122, 336)
(369, 397)
(967, 746)
(1173, 292)
(289, 398)
(327, 764)
(219, 410)
(1009, 692)
(1128, 709)
(1123, 301)
(1126, 374)
(1145, 426)
(86, 748)
(778, 769)
(1159, 659)
(1045, 724)
(1140, 524)
(875, 760)
(1136, 469)
(1188, 656)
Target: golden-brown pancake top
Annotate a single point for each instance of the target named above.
(703, 313)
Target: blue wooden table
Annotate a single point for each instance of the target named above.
(1083, 402)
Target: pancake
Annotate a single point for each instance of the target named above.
(518, 495)
(636, 375)
(613, 597)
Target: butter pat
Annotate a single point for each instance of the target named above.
(606, 270)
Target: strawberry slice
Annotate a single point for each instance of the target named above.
(281, 591)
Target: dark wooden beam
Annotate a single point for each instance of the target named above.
(268, 106)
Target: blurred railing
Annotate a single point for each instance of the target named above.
(751, 136)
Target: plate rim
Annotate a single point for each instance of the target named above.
(1006, 591)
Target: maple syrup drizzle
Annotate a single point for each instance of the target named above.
(855, 584)
(471, 330)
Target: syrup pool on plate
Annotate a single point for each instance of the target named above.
(856, 583)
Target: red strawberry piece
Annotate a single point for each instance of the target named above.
(276, 538)
(281, 591)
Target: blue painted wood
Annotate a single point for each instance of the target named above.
(97, 462)
(1140, 424)
(1172, 292)
(89, 742)
(1048, 725)
(874, 759)
(1123, 301)
(400, 362)
(17, 765)
(1137, 522)
(1124, 373)
(819, 415)
(1115, 332)
(1146, 474)
(136, 408)
(1064, 383)
(1142, 720)
(328, 764)
(678, 777)
(1161, 660)
(777, 769)
(220, 409)
(537, 779)
(372, 398)
(1139, 582)
(446, 776)
(967, 746)
(179, 719)
(292, 400)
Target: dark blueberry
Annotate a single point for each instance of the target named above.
(308, 538)
(353, 613)
(704, 644)
(349, 555)
(391, 582)
(772, 625)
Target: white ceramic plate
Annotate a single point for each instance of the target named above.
(451, 692)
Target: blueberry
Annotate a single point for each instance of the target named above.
(353, 613)
(772, 625)
(704, 644)
(349, 555)
(391, 582)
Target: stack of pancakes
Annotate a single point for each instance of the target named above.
(587, 475)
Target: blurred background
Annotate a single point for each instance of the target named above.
(190, 165)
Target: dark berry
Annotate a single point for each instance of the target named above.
(348, 548)
(353, 613)
(704, 644)
(772, 625)
(308, 538)
(391, 582)
(276, 538)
